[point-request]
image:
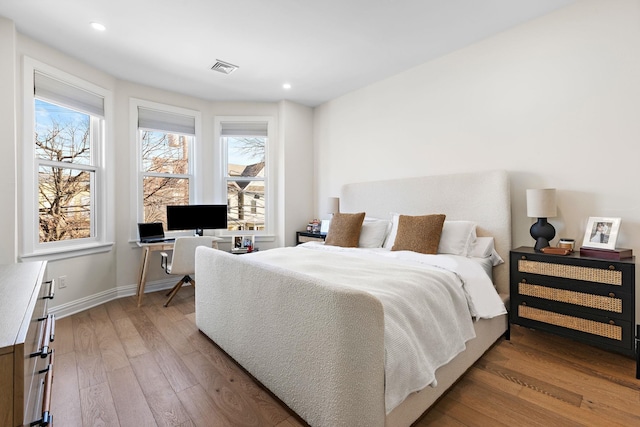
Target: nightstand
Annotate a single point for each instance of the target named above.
(306, 236)
(587, 299)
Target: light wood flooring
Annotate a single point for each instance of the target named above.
(119, 365)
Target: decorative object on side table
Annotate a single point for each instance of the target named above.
(566, 243)
(242, 244)
(601, 233)
(617, 253)
(313, 226)
(600, 239)
(541, 204)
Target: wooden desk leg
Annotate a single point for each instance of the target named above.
(143, 273)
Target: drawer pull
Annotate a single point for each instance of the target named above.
(47, 418)
(52, 332)
(611, 322)
(47, 337)
(523, 281)
(612, 295)
(612, 267)
(50, 365)
(52, 289)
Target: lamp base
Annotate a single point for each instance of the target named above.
(542, 232)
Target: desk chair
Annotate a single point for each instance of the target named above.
(183, 260)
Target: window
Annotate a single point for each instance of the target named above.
(166, 138)
(245, 144)
(65, 177)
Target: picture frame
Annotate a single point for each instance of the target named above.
(242, 243)
(601, 233)
(248, 242)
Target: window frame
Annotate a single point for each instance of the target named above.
(269, 171)
(102, 237)
(195, 159)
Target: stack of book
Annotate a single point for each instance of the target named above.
(617, 253)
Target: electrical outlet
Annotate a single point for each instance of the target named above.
(62, 282)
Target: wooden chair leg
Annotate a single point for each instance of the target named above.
(174, 292)
(177, 287)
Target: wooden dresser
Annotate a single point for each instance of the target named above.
(587, 299)
(26, 357)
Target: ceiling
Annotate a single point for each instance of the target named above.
(323, 49)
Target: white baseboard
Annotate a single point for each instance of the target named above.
(73, 307)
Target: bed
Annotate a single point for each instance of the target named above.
(320, 347)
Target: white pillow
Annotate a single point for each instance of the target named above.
(457, 237)
(484, 248)
(373, 233)
(391, 236)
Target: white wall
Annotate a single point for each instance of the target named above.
(556, 102)
(92, 279)
(297, 178)
(8, 229)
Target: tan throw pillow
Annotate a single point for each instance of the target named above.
(344, 230)
(419, 233)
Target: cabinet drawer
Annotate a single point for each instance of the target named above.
(603, 303)
(608, 276)
(304, 239)
(598, 330)
(37, 408)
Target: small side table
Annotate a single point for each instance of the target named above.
(306, 236)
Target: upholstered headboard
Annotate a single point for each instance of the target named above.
(482, 197)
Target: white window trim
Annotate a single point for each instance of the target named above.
(195, 159)
(220, 190)
(103, 211)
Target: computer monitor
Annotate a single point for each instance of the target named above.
(196, 217)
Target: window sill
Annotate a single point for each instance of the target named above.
(63, 253)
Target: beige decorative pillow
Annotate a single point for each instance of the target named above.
(344, 230)
(419, 233)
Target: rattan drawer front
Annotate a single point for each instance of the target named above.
(600, 302)
(590, 274)
(593, 327)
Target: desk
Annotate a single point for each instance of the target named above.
(147, 248)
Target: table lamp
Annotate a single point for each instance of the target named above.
(541, 204)
(333, 205)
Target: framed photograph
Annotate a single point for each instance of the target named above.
(248, 242)
(243, 243)
(601, 233)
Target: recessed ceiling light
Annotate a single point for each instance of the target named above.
(98, 26)
(286, 86)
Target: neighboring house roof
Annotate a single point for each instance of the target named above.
(246, 171)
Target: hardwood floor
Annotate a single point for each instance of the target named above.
(119, 365)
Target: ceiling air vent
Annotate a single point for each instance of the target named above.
(224, 67)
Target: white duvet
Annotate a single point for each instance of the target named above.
(429, 302)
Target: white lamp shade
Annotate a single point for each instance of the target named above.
(541, 203)
(333, 205)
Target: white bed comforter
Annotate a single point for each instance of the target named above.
(428, 303)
